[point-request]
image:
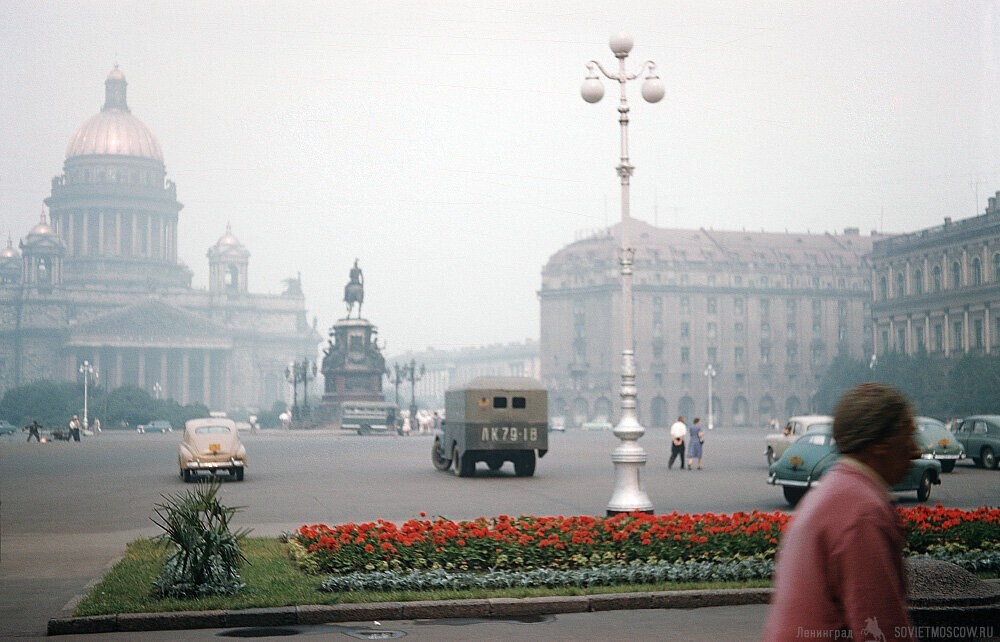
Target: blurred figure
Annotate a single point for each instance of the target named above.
(678, 432)
(840, 572)
(96, 425)
(74, 428)
(33, 429)
(695, 440)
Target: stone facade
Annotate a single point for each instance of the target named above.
(102, 282)
(768, 311)
(937, 290)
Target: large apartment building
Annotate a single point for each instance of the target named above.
(768, 311)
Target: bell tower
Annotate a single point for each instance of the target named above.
(227, 265)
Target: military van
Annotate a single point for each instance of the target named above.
(493, 420)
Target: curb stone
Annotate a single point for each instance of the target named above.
(422, 609)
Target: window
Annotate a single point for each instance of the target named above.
(738, 305)
(977, 333)
(792, 352)
(936, 278)
(713, 355)
(977, 272)
(765, 307)
(499, 402)
(765, 330)
(900, 285)
(842, 332)
(740, 379)
(996, 268)
(711, 279)
(790, 307)
(518, 402)
(817, 307)
(921, 347)
(710, 330)
(739, 355)
(956, 275)
(957, 335)
(918, 282)
(685, 330)
(685, 305)
(763, 282)
(685, 354)
(738, 280)
(938, 337)
(901, 339)
(686, 380)
(883, 289)
(710, 305)
(739, 330)
(842, 309)
(657, 306)
(765, 354)
(791, 328)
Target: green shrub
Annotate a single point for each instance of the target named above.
(205, 557)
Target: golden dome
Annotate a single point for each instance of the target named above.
(42, 228)
(9, 252)
(114, 130)
(228, 239)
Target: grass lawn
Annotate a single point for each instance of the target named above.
(273, 580)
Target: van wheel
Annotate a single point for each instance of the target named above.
(465, 465)
(238, 474)
(524, 465)
(186, 475)
(439, 462)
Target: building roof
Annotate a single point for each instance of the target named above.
(152, 324)
(701, 246)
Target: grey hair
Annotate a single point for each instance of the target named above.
(867, 414)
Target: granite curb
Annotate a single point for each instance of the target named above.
(424, 609)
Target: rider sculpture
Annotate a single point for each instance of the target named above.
(354, 291)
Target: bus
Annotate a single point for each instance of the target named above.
(367, 417)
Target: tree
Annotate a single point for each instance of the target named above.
(50, 403)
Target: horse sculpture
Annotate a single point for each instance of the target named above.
(354, 291)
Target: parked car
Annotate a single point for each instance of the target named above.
(7, 428)
(980, 436)
(804, 462)
(795, 428)
(211, 446)
(157, 425)
(938, 443)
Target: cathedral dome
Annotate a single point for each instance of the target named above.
(42, 228)
(9, 252)
(228, 239)
(114, 130)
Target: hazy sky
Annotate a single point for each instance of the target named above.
(445, 144)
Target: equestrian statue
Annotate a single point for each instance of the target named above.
(354, 291)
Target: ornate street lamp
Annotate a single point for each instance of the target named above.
(396, 376)
(291, 376)
(710, 373)
(410, 372)
(629, 457)
(87, 371)
(304, 370)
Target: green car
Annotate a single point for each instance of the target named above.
(804, 462)
(938, 443)
(980, 436)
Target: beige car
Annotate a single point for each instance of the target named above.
(795, 428)
(211, 446)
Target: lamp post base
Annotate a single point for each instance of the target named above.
(628, 495)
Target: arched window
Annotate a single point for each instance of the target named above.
(766, 409)
(937, 277)
(918, 282)
(956, 275)
(900, 284)
(602, 409)
(883, 289)
(579, 411)
(741, 412)
(996, 268)
(977, 272)
(686, 407)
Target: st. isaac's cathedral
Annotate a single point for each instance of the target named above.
(99, 280)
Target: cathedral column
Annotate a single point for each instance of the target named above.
(965, 329)
(947, 335)
(909, 335)
(206, 378)
(927, 331)
(119, 369)
(185, 376)
(987, 339)
(142, 368)
(892, 334)
(164, 382)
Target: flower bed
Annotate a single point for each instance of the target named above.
(528, 542)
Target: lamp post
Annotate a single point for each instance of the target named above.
(304, 370)
(396, 375)
(410, 372)
(710, 373)
(629, 457)
(86, 370)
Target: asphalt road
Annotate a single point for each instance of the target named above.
(67, 509)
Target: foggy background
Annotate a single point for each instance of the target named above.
(446, 146)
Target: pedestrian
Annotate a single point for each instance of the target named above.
(96, 426)
(695, 440)
(406, 425)
(74, 428)
(678, 431)
(840, 572)
(437, 421)
(33, 429)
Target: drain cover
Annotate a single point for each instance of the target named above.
(375, 634)
(257, 632)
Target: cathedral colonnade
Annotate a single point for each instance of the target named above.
(186, 375)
